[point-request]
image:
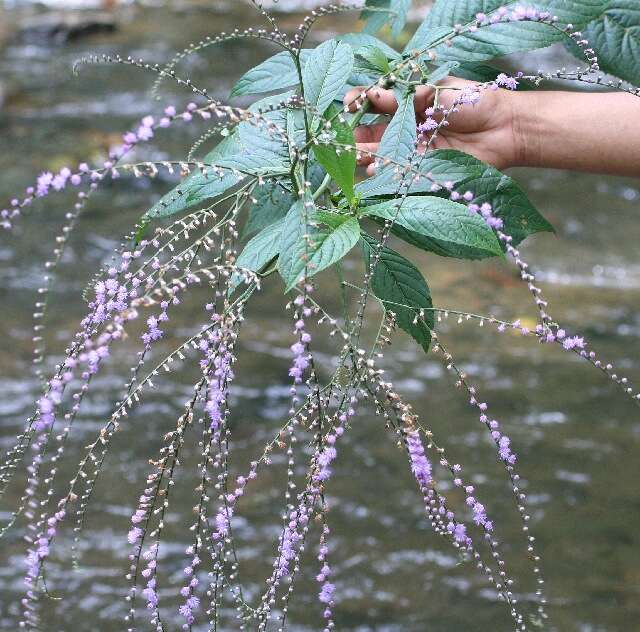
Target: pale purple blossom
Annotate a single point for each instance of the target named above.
(506, 81)
(420, 465)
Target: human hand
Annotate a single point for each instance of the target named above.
(486, 129)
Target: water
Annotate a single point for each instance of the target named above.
(576, 437)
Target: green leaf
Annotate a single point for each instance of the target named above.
(196, 185)
(276, 73)
(296, 129)
(194, 189)
(397, 143)
(615, 35)
(443, 71)
(427, 36)
(476, 71)
(402, 289)
(440, 226)
(252, 150)
(261, 136)
(256, 162)
(372, 59)
(258, 253)
(440, 165)
(340, 165)
(333, 220)
(502, 38)
(272, 203)
(199, 187)
(358, 40)
(379, 13)
(303, 246)
(262, 249)
(510, 203)
(325, 74)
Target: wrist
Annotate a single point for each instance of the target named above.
(525, 123)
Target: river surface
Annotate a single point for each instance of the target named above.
(577, 438)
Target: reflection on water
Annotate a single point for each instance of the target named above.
(577, 439)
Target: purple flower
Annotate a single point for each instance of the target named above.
(428, 125)
(300, 360)
(420, 466)
(43, 183)
(504, 450)
(144, 133)
(575, 342)
(506, 81)
(326, 593)
(134, 535)
(130, 138)
(459, 532)
(469, 96)
(185, 611)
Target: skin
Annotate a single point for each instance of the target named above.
(597, 133)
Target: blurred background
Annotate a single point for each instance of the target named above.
(577, 438)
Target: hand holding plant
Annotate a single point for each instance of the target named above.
(485, 131)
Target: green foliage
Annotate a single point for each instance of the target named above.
(488, 184)
(442, 71)
(442, 168)
(510, 203)
(250, 151)
(194, 190)
(397, 144)
(274, 199)
(372, 59)
(325, 74)
(262, 249)
(612, 28)
(276, 73)
(427, 37)
(498, 39)
(299, 161)
(272, 202)
(360, 40)
(304, 246)
(339, 162)
(402, 290)
(380, 13)
(615, 35)
(476, 71)
(440, 226)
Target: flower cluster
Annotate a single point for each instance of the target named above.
(420, 466)
(299, 348)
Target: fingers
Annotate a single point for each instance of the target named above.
(365, 153)
(367, 141)
(424, 98)
(352, 98)
(369, 133)
(384, 101)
